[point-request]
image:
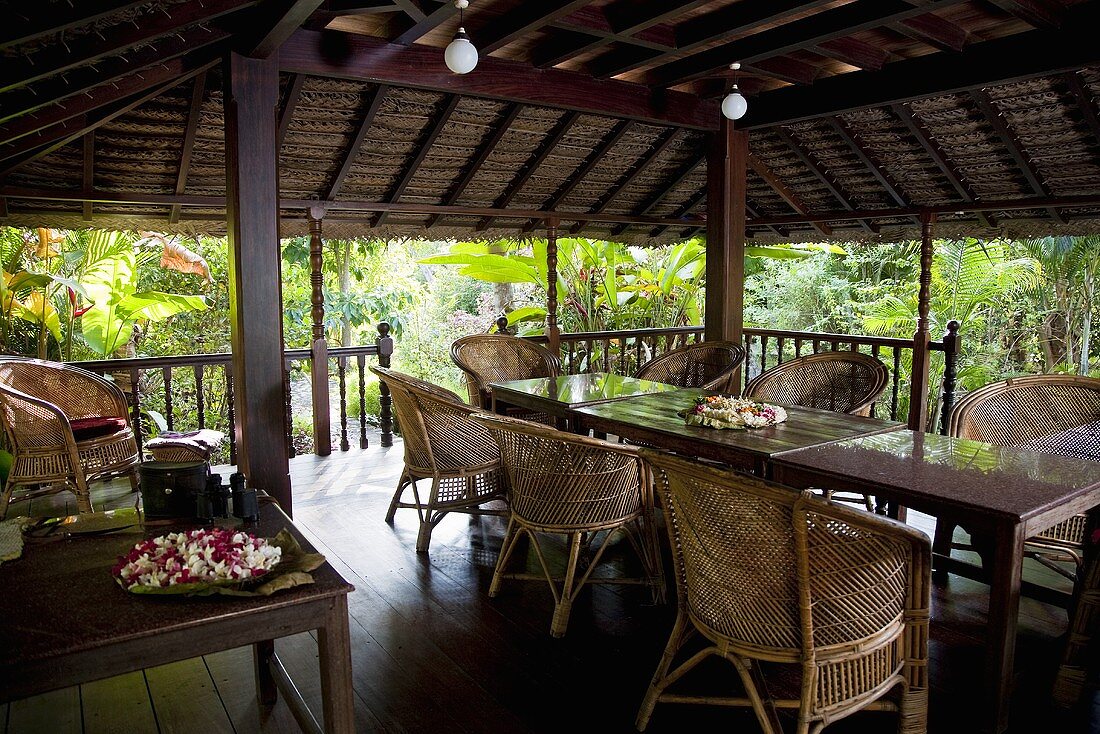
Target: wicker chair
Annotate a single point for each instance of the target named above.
(443, 445)
(584, 488)
(767, 575)
(486, 358)
(66, 427)
(1037, 412)
(709, 365)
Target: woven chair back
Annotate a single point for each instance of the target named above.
(1021, 409)
(843, 382)
(563, 482)
(486, 358)
(708, 365)
(436, 428)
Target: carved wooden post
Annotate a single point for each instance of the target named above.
(318, 346)
(502, 325)
(951, 349)
(552, 332)
(385, 349)
(918, 395)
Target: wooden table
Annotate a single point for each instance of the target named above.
(1007, 494)
(653, 420)
(66, 622)
(560, 396)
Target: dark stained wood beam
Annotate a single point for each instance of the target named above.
(60, 18)
(784, 191)
(1085, 103)
(785, 69)
(19, 71)
(521, 21)
(423, 148)
(592, 20)
(693, 201)
(350, 56)
(52, 96)
(88, 177)
(934, 31)
(951, 172)
(829, 25)
(488, 146)
(1022, 56)
(592, 160)
(854, 52)
(628, 17)
(537, 157)
(628, 177)
(198, 92)
(565, 46)
(290, 101)
(727, 151)
(741, 18)
(1038, 13)
(885, 180)
(755, 214)
(1012, 145)
(370, 110)
(658, 196)
(411, 8)
(820, 173)
(433, 20)
(277, 19)
(360, 7)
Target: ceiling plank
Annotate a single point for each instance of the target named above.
(521, 21)
(1038, 13)
(940, 158)
(412, 9)
(784, 191)
(1022, 56)
(19, 71)
(423, 147)
(934, 31)
(370, 110)
(829, 25)
(537, 157)
(198, 92)
(488, 146)
(275, 21)
(820, 173)
(418, 30)
(887, 181)
(658, 196)
(286, 112)
(350, 56)
(62, 17)
(854, 52)
(785, 69)
(628, 17)
(88, 177)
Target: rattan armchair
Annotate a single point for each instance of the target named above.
(487, 358)
(586, 489)
(1048, 413)
(66, 427)
(709, 365)
(841, 381)
(443, 445)
(767, 575)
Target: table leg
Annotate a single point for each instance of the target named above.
(1004, 608)
(334, 646)
(266, 688)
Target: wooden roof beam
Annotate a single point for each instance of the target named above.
(683, 210)
(1014, 147)
(431, 21)
(521, 21)
(198, 92)
(784, 192)
(941, 159)
(1022, 56)
(934, 31)
(820, 174)
(537, 157)
(62, 17)
(591, 161)
(488, 146)
(854, 52)
(290, 101)
(273, 22)
(594, 21)
(423, 147)
(1085, 103)
(846, 134)
(785, 69)
(370, 110)
(1039, 13)
(658, 196)
(351, 56)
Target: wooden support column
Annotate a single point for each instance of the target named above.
(318, 346)
(255, 283)
(727, 154)
(552, 332)
(918, 396)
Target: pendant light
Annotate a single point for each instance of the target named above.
(461, 56)
(734, 105)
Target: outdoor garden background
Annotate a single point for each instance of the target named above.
(1025, 306)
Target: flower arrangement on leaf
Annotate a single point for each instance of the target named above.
(215, 561)
(727, 411)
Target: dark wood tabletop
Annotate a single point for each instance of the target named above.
(653, 420)
(572, 391)
(66, 621)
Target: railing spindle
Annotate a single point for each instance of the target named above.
(166, 372)
(341, 371)
(951, 346)
(780, 342)
(361, 361)
(897, 383)
(200, 402)
(135, 402)
(385, 349)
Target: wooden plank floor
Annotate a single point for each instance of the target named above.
(432, 653)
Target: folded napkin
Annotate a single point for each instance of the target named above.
(205, 439)
(11, 538)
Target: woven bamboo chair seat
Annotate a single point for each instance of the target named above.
(709, 365)
(765, 574)
(442, 445)
(66, 427)
(488, 358)
(586, 489)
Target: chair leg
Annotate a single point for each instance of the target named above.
(682, 630)
(5, 498)
(83, 494)
(941, 544)
(402, 483)
(428, 519)
(565, 599)
(511, 537)
(135, 484)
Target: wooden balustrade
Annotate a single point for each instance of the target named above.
(183, 385)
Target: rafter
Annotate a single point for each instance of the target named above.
(274, 23)
(61, 18)
(198, 92)
(941, 159)
(934, 31)
(537, 157)
(88, 177)
(885, 179)
(784, 191)
(521, 21)
(433, 20)
(658, 196)
(693, 201)
(488, 146)
(1038, 13)
(370, 110)
(290, 101)
(854, 52)
(423, 147)
(1085, 103)
(820, 174)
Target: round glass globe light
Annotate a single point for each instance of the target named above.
(461, 56)
(734, 106)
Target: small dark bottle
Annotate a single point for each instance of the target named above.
(245, 503)
(204, 505)
(219, 495)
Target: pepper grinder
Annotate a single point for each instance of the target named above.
(245, 504)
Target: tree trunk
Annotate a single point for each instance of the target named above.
(1086, 326)
(343, 258)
